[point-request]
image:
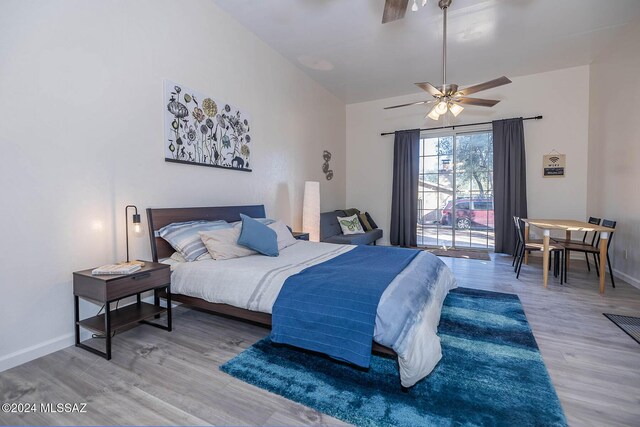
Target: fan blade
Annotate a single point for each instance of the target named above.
(428, 87)
(477, 101)
(394, 10)
(484, 86)
(406, 105)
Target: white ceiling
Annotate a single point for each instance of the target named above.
(359, 59)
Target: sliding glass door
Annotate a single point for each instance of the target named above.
(455, 190)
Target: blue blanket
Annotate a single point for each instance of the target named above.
(331, 307)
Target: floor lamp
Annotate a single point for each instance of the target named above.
(311, 210)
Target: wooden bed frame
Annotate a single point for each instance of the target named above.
(160, 249)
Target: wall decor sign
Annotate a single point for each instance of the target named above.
(205, 131)
(553, 165)
(325, 166)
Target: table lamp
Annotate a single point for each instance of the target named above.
(137, 227)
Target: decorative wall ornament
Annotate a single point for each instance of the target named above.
(325, 166)
(205, 131)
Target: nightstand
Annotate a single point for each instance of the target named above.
(105, 289)
(299, 235)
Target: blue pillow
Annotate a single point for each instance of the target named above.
(257, 236)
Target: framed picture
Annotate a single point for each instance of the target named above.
(205, 131)
(553, 165)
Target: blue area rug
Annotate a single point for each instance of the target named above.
(491, 374)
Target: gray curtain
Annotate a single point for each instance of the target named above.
(509, 181)
(404, 202)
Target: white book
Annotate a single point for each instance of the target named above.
(116, 269)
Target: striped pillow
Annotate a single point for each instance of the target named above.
(265, 221)
(365, 222)
(184, 237)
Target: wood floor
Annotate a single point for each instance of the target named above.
(158, 378)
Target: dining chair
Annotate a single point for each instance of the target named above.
(592, 220)
(594, 249)
(516, 249)
(557, 250)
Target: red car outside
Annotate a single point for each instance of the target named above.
(470, 213)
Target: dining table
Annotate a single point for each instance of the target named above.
(568, 226)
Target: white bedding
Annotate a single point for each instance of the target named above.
(254, 282)
(251, 282)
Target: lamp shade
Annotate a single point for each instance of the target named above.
(433, 114)
(441, 107)
(311, 210)
(456, 109)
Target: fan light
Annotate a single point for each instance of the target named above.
(455, 109)
(414, 7)
(447, 97)
(441, 107)
(433, 114)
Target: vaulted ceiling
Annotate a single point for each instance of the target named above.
(343, 45)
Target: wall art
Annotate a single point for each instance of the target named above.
(205, 131)
(325, 166)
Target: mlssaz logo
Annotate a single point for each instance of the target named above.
(554, 159)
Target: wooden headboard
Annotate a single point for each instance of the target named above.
(158, 218)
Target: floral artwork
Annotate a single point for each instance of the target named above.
(205, 131)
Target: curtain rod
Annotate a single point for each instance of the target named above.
(463, 125)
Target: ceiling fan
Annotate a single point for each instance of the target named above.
(447, 97)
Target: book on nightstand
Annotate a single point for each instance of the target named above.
(115, 269)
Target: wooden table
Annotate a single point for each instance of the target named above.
(568, 225)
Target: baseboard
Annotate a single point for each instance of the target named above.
(624, 276)
(38, 350)
(26, 354)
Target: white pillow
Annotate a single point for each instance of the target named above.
(177, 256)
(285, 238)
(350, 225)
(223, 243)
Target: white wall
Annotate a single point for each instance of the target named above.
(614, 147)
(563, 128)
(82, 136)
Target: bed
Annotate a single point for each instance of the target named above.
(247, 288)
